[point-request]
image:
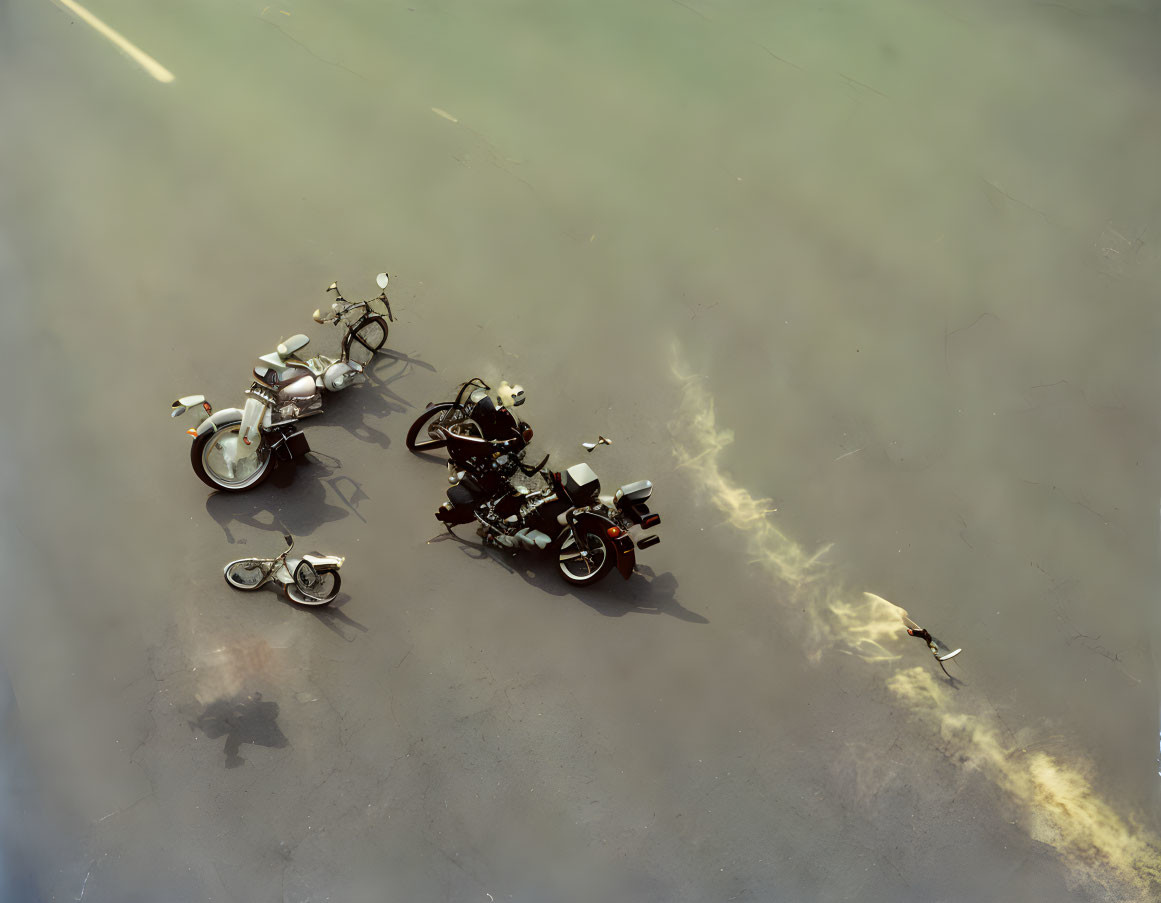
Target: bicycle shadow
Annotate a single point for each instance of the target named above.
(333, 618)
(296, 502)
(243, 718)
(375, 399)
(645, 592)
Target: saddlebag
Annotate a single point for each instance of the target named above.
(290, 446)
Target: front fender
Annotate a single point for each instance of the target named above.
(218, 419)
(182, 405)
(623, 544)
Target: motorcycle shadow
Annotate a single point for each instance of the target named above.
(293, 501)
(646, 592)
(376, 398)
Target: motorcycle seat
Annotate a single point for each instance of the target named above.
(462, 447)
(461, 495)
(634, 492)
(291, 345)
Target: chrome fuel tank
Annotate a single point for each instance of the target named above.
(298, 397)
(300, 385)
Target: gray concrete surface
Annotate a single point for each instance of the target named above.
(906, 254)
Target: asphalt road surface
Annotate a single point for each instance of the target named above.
(868, 291)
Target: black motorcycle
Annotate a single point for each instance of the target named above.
(475, 411)
(589, 534)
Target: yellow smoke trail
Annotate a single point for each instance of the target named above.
(860, 624)
(1059, 806)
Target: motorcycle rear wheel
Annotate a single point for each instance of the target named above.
(578, 570)
(447, 414)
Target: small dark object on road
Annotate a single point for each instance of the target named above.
(933, 644)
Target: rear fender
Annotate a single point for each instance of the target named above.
(218, 419)
(590, 522)
(324, 562)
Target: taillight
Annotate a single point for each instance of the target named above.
(527, 435)
(650, 520)
(613, 532)
(206, 405)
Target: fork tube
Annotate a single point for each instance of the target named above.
(252, 413)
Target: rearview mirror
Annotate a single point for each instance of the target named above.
(333, 287)
(317, 316)
(381, 280)
(289, 539)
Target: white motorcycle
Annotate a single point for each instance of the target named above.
(234, 449)
(312, 579)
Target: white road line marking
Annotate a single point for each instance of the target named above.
(140, 57)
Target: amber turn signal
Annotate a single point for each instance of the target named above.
(192, 431)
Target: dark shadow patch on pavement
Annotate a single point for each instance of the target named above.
(334, 618)
(296, 504)
(645, 592)
(241, 719)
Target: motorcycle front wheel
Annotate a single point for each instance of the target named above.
(447, 414)
(245, 573)
(361, 344)
(579, 569)
(215, 461)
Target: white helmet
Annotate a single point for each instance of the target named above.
(510, 396)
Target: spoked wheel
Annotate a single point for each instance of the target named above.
(321, 586)
(217, 461)
(362, 344)
(447, 414)
(246, 573)
(323, 593)
(582, 567)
